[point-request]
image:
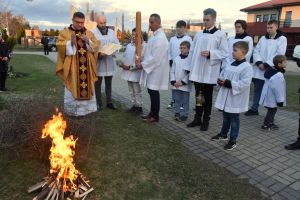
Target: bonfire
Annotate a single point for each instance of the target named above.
(64, 180)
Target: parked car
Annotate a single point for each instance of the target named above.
(52, 44)
(296, 54)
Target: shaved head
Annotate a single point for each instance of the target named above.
(101, 21)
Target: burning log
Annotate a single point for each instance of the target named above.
(64, 181)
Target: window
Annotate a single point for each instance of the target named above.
(266, 18)
(258, 18)
(273, 17)
(288, 19)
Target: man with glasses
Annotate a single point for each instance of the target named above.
(76, 66)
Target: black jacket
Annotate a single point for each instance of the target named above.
(4, 52)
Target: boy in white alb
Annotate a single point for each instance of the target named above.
(270, 45)
(132, 76)
(233, 96)
(174, 47)
(274, 91)
(179, 79)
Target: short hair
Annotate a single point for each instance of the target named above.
(242, 45)
(278, 59)
(186, 43)
(211, 12)
(133, 30)
(156, 17)
(180, 24)
(243, 23)
(273, 21)
(79, 15)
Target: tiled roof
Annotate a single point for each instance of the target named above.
(271, 4)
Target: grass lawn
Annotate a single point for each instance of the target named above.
(126, 159)
(292, 85)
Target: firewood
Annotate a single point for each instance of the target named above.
(85, 193)
(36, 186)
(55, 194)
(76, 196)
(42, 194)
(84, 182)
(83, 187)
(52, 186)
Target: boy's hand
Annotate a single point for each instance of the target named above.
(178, 84)
(220, 82)
(5, 58)
(261, 66)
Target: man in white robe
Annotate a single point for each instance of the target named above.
(270, 45)
(106, 66)
(208, 50)
(155, 64)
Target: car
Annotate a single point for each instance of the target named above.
(52, 44)
(296, 54)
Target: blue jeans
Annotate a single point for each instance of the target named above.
(258, 86)
(231, 120)
(181, 98)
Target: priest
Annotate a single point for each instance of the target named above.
(76, 66)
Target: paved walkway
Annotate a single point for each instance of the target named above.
(259, 157)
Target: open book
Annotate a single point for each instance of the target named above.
(111, 48)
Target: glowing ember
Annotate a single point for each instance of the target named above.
(62, 152)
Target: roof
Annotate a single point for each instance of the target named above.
(271, 5)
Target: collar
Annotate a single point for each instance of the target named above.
(179, 37)
(238, 62)
(157, 31)
(241, 36)
(183, 56)
(278, 34)
(211, 30)
(81, 30)
(279, 69)
(103, 31)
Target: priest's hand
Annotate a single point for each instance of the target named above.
(205, 53)
(73, 39)
(85, 38)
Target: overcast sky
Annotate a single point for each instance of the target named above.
(56, 13)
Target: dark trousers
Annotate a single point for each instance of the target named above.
(155, 103)
(231, 121)
(299, 129)
(108, 83)
(258, 86)
(205, 109)
(3, 76)
(269, 119)
(46, 50)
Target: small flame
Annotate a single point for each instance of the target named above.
(62, 152)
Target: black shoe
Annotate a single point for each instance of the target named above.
(265, 127)
(182, 118)
(204, 126)
(111, 106)
(4, 90)
(132, 109)
(274, 127)
(230, 145)
(176, 116)
(219, 137)
(194, 123)
(99, 107)
(145, 116)
(293, 146)
(138, 110)
(251, 113)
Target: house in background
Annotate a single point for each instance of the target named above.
(287, 12)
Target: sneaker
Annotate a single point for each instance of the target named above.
(171, 105)
(274, 127)
(251, 113)
(219, 137)
(293, 146)
(265, 127)
(176, 116)
(182, 118)
(230, 145)
(181, 107)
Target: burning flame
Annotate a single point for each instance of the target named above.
(62, 152)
